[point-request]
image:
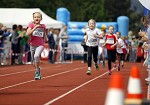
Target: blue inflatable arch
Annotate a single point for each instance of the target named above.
(76, 29)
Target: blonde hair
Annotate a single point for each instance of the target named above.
(38, 13)
(111, 26)
(92, 20)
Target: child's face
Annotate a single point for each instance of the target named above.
(111, 30)
(37, 18)
(118, 35)
(91, 24)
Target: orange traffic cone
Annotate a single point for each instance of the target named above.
(115, 94)
(134, 89)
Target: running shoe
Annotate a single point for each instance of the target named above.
(103, 64)
(96, 66)
(109, 72)
(88, 72)
(38, 76)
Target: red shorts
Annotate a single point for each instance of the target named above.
(124, 50)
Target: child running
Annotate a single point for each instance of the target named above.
(101, 49)
(37, 34)
(119, 49)
(111, 42)
(92, 42)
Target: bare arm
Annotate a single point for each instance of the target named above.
(45, 37)
(98, 36)
(30, 31)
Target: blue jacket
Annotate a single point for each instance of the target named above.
(4, 35)
(51, 41)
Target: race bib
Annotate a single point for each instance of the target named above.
(93, 42)
(102, 41)
(110, 41)
(38, 32)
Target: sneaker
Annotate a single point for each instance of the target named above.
(96, 66)
(38, 76)
(88, 72)
(103, 64)
(109, 72)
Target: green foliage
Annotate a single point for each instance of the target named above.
(115, 8)
(81, 10)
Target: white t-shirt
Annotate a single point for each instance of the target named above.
(120, 43)
(92, 41)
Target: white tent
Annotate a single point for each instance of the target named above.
(22, 16)
(145, 3)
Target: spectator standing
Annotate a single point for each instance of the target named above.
(140, 53)
(14, 44)
(64, 43)
(133, 50)
(4, 33)
(51, 43)
(22, 42)
(56, 39)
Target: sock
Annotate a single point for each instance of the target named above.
(89, 68)
(38, 71)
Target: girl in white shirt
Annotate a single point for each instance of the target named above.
(92, 36)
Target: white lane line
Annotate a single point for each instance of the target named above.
(11, 67)
(63, 95)
(42, 78)
(15, 73)
(23, 72)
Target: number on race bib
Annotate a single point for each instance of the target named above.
(110, 41)
(39, 34)
(102, 41)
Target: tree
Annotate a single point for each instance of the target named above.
(81, 10)
(115, 8)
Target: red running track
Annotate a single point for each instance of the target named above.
(62, 84)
